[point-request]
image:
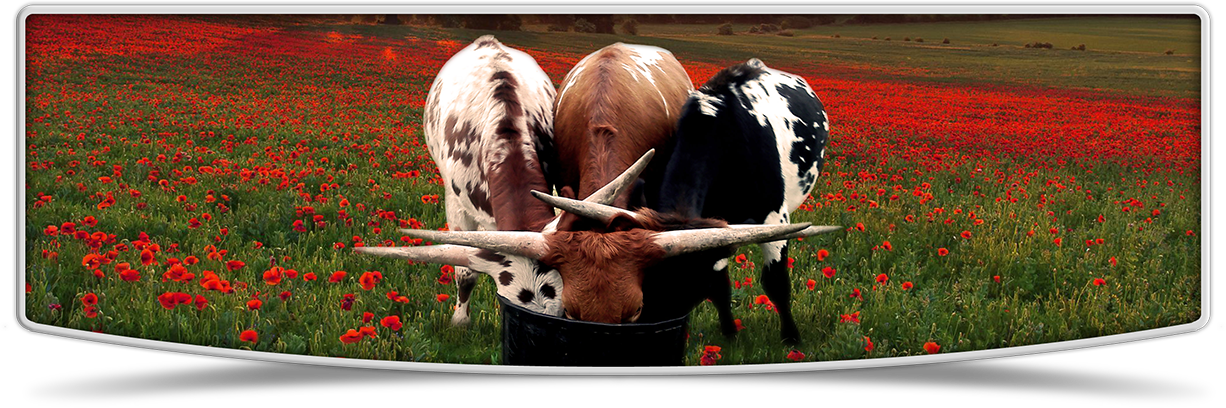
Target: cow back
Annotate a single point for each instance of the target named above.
(750, 145)
(488, 125)
(614, 105)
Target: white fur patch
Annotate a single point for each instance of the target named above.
(772, 110)
(721, 264)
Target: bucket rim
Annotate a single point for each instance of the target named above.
(663, 324)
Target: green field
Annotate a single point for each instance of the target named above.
(1015, 161)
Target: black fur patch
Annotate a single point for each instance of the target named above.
(505, 278)
(548, 291)
(526, 296)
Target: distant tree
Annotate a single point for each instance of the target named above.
(795, 23)
(504, 22)
(603, 23)
(391, 19)
(630, 26)
(584, 26)
(725, 29)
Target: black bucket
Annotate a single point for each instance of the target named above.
(534, 339)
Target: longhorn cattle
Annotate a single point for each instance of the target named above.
(615, 104)
(488, 125)
(751, 143)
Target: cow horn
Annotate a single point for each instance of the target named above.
(686, 241)
(595, 211)
(440, 254)
(522, 243)
(812, 230)
(605, 195)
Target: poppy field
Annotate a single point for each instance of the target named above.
(204, 180)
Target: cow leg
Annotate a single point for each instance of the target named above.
(720, 293)
(778, 287)
(465, 278)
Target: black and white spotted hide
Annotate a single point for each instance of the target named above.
(490, 101)
(750, 146)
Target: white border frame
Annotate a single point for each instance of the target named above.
(634, 8)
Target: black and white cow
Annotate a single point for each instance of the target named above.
(488, 124)
(750, 146)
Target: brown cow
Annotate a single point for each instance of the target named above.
(603, 269)
(615, 104)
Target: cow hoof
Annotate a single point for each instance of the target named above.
(792, 339)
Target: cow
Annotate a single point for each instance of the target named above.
(488, 126)
(615, 104)
(750, 145)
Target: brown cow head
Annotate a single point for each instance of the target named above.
(602, 270)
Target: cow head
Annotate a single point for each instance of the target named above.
(602, 270)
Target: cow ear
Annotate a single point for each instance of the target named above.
(622, 222)
(567, 192)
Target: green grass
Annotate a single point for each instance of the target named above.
(329, 119)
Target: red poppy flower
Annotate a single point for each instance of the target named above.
(1099, 281)
(91, 261)
(868, 344)
(167, 300)
(739, 326)
(391, 322)
(942, 251)
(254, 304)
(822, 254)
(850, 318)
(351, 336)
(887, 246)
(249, 336)
(367, 317)
(855, 293)
(368, 331)
(201, 302)
(309, 276)
(811, 284)
(129, 275)
(1113, 261)
(966, 234)
(1058, 241)
(828, 272)
(796, 355)
(442, 297)
(285, 295)
(336, 276)
(710, 354)
(235, 265)
(882, 278)
(907, 285)
(860, 226)
(368, 280)
(90, 312)
(89, 299)
(996, 278)
(931, 347)
(272, 276)
(51, 230)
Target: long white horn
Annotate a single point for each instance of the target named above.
(812, 230)
(599, 212)
(685, 241)
(605, 195)
(442, 254)
(522, 243)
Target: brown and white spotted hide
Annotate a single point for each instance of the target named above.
(488, 125)
(614, 105)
